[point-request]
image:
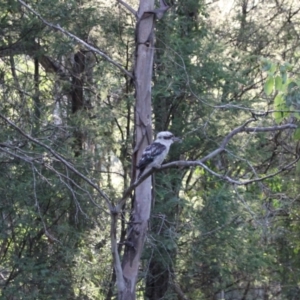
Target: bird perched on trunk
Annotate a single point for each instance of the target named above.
(155, 153)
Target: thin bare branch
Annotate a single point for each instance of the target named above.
(64, 179)
(228, 137)
(69, 34)
(61, 159)
(130, 189)
(128, 7)
(226, 140)
(115, 253)
(179, 291)
(185, 164)
(47, 233)
(243, 128)
(271, 128)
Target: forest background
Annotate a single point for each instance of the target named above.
(85, 84)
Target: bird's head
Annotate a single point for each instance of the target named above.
(166, 137)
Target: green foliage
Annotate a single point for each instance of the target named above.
(49, 227)
(286, 101)
(206, 236)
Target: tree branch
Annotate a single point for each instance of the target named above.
(61, 159)
(115, 253)
(243, 128)
(130, 189)
(179, 291)
(272, 128)
(128, 7)
(65, 179)
(185, 164)
(67, 33)
(200, 163)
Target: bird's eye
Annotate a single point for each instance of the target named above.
(168, 137)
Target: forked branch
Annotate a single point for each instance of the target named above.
(201, 162)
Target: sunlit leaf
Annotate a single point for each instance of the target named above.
(269, 86)
(279, 106)
(283, 76)
(278, 83)
(272, 69)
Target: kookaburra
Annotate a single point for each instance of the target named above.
(155, 153)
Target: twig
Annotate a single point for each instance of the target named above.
(243, 128)
(48, 235)
(61, 159)
(130, 189)
(128, 7)
(185, 164)
(62, 177)
(115, 253)
(228, 137)
(69, 34)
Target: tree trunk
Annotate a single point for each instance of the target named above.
(141, 211)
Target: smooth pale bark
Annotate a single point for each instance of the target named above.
(142, 79)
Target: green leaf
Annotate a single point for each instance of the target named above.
(288, 66)
(272, 69)
(269, 86)
(278, 100)
(297, 134)
(276, 203)
(282, 68)
(278, 83)
(297, 116)
(292, 85)
(279, 104)
(283, 76)
(268, 66)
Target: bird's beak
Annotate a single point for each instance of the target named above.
(176, 139)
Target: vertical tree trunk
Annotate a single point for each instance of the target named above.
(143, 125)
